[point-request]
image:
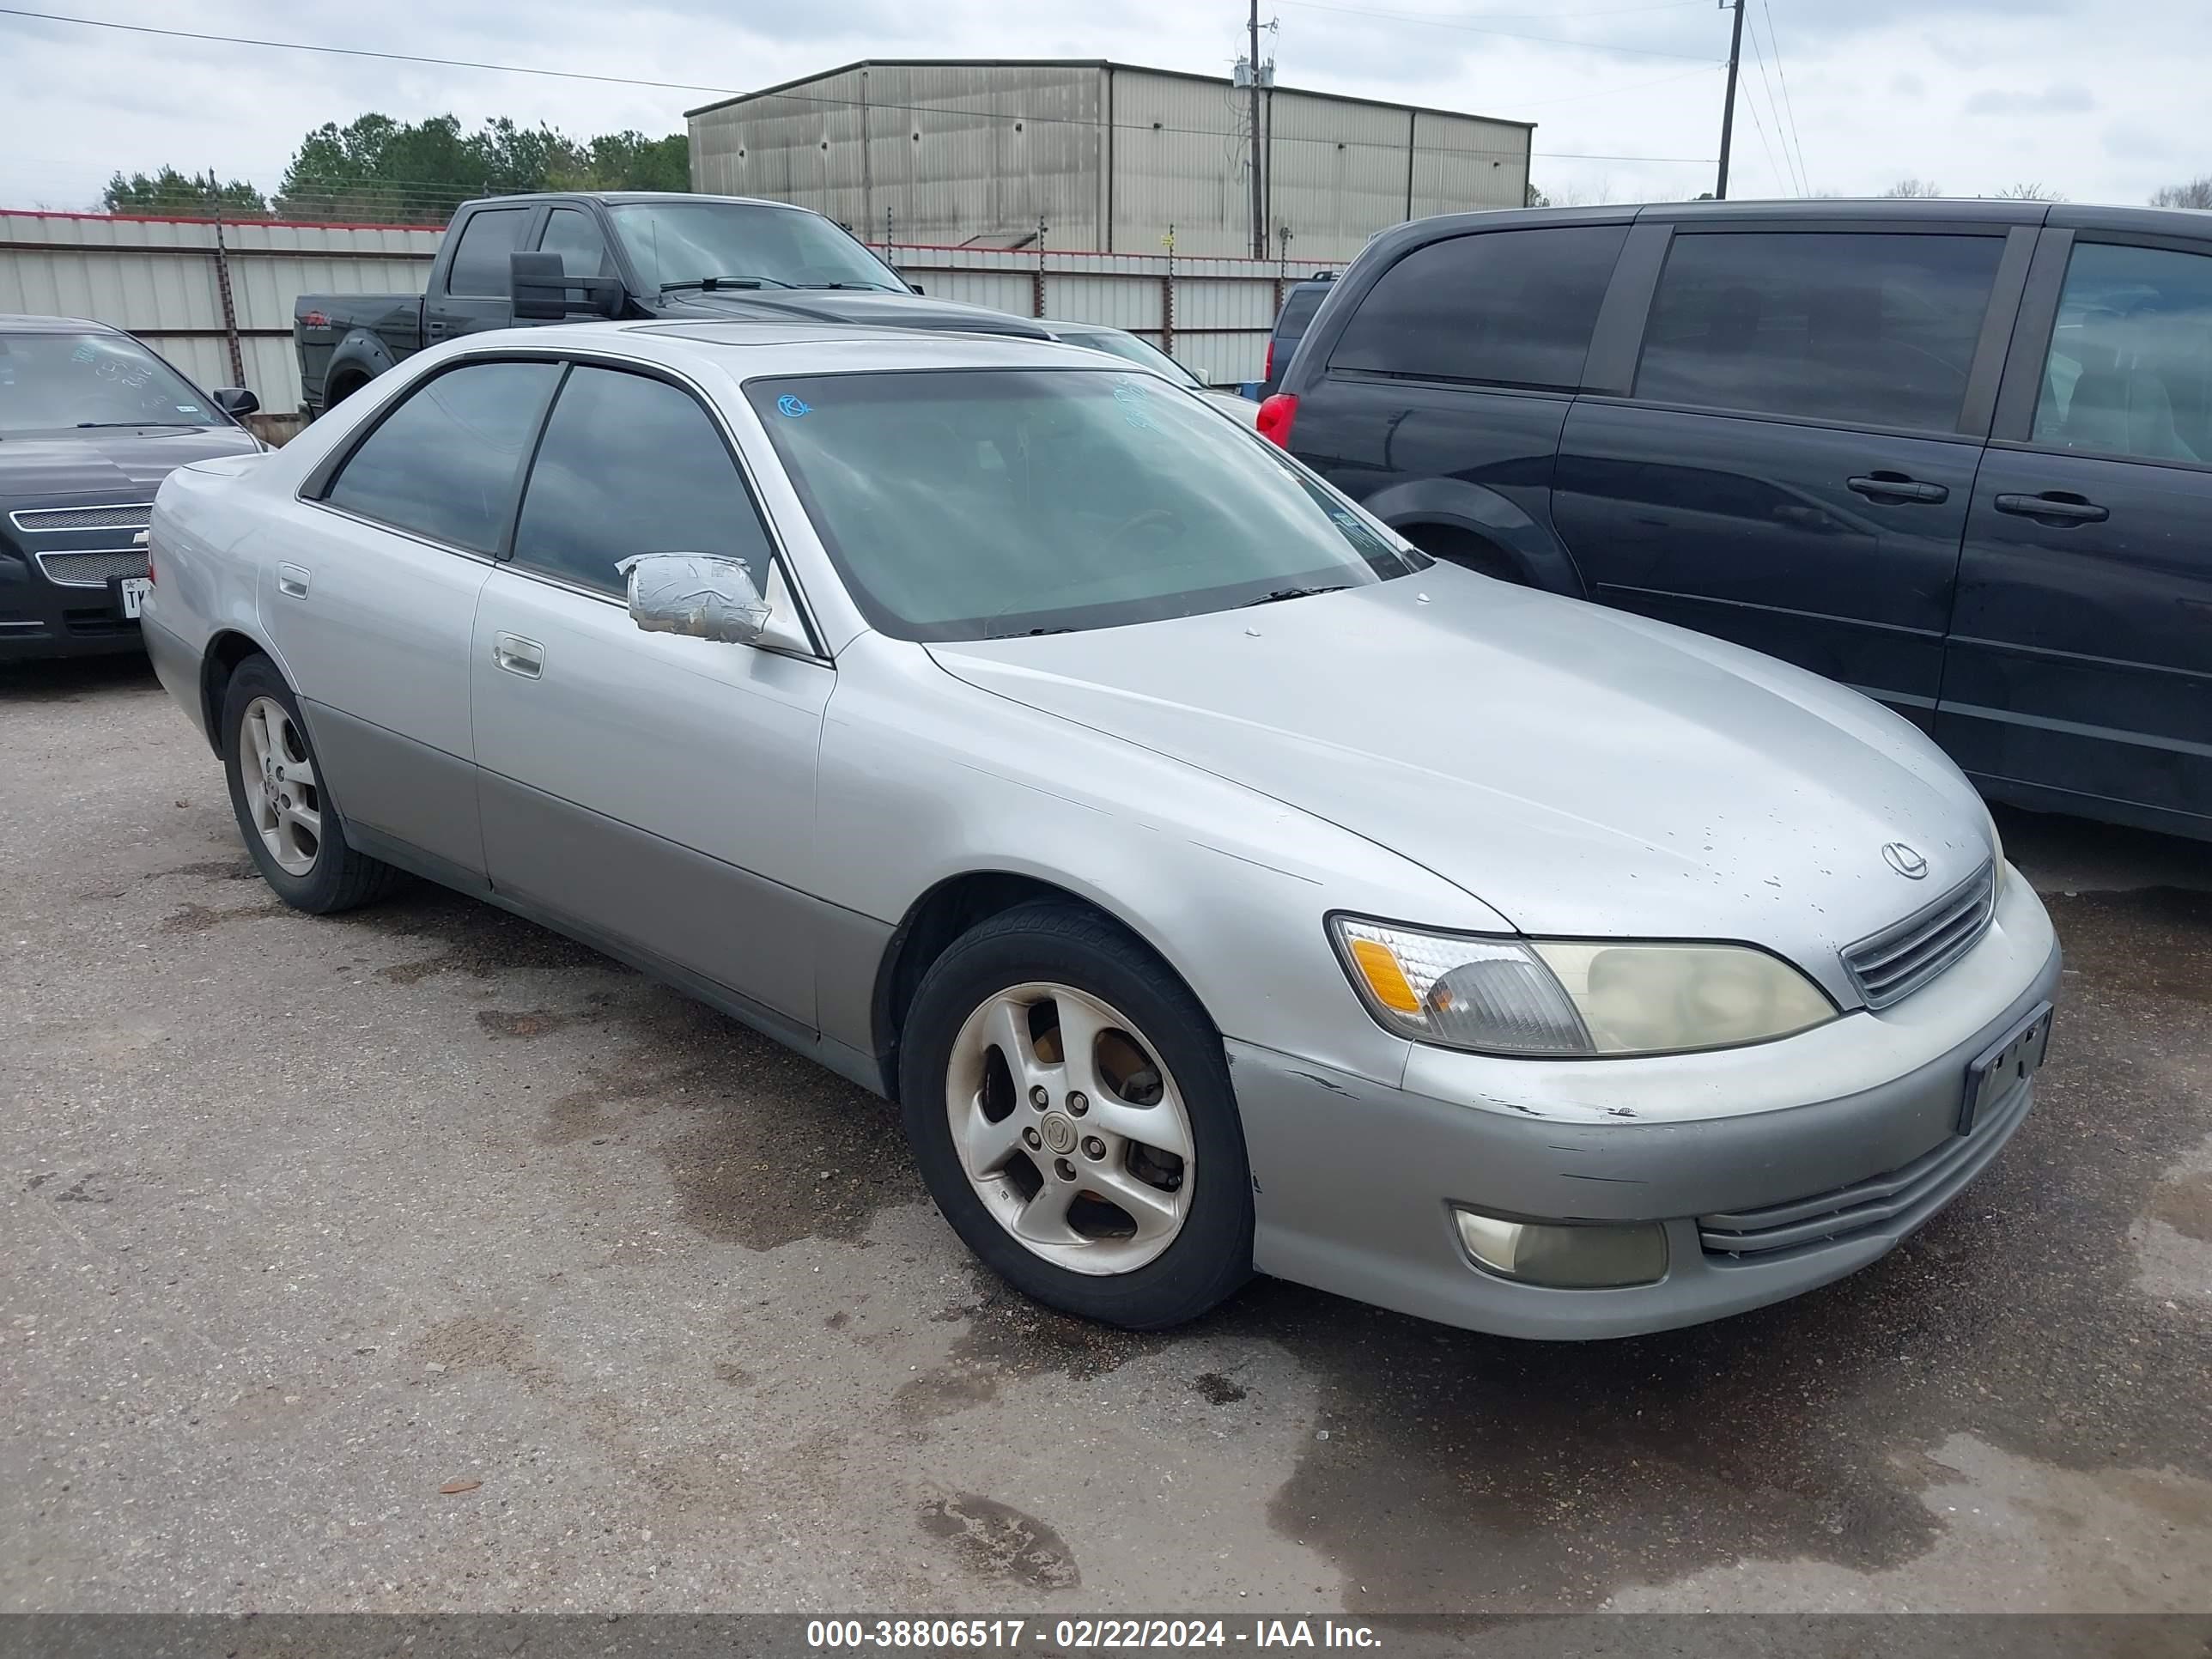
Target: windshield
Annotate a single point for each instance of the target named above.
(56, 382)
(1115, 343)
(965, 504)
(788, 247)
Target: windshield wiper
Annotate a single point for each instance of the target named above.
(83, 426)
(1291, 593)
(708, 284)
(870, 288)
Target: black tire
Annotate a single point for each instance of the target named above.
(340, 878)
(1211, 1255)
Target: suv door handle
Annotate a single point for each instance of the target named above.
(517, 655)
(1896, 486)
(2057, 505)
(292, 581)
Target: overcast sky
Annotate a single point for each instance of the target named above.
(2098, 102)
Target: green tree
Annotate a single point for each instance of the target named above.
(170, 192)
(510, 159)
(383, 171)
(631, 161)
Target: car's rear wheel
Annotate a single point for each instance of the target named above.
(1070, 1107)
(286, 815)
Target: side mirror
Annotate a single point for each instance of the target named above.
(235, 401)
(701, 596)
(544, 292)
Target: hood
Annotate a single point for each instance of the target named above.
(877, 310)
(109, 463)
(1582, 771)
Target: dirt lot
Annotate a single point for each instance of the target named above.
(304, 1220)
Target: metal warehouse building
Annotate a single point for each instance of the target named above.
(1107, 155)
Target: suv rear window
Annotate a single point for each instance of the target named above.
(1298, 309)
(1511, 307)
(1866, 327)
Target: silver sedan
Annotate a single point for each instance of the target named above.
(1217, 884)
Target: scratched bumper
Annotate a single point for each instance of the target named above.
(1355, 1181)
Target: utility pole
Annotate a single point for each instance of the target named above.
(1728, 108)
(1258, 197)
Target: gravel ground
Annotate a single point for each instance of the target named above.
(308, 1221)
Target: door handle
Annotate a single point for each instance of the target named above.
(2057, 505)
(291, 581)
(1896, 486)
(517, 655)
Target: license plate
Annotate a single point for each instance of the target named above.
(130, 593)
(2004, 1065)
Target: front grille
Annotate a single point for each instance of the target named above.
(91, 569)
(1899, 1200)
(1900, 959)
(42, 521)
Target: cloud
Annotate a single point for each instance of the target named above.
(2071, 98)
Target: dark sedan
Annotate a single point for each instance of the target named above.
(91, 421)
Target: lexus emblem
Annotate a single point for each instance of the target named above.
(1903, 860)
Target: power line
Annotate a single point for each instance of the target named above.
(1774, 40)
(1751, 104)
(1633, 86)
(801, 97)
(1788, 178)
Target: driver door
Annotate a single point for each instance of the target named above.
(651, 791)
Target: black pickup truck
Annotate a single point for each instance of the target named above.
(511, 261)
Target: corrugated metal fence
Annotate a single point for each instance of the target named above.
(217, 300)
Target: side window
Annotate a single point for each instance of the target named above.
(1513, 307)
(445, 462)
(479, 268)
(1871, 328)
(631, 465)
(571, 234)
(2129, 369)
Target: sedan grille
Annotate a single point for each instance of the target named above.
(91, 569)
(1901, 958)
(1897, 1201)
(46, 519)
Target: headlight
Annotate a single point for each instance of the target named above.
(1573, 997)
(1996, 849)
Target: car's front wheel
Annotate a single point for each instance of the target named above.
(1070, 1106)
(289, 824)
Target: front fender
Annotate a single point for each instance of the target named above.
(1540, 558)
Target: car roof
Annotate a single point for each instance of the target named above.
(28, 324)
(747, 351)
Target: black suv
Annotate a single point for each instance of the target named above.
(1955, 454)
(1299, 305)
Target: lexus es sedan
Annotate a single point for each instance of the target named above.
(1217, 884)
(91, 421)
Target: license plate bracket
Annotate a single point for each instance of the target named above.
(2005, 1065)
(129, 592)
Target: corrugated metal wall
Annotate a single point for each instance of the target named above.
(160, 279)
(974, 153)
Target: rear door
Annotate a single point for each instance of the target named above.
(2080, 666)
(1788, 459)
(479, 290)
(653, 791)
(372, 593)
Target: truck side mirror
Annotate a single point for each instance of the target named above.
(544, 293)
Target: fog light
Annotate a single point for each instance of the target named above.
(1567, 1258)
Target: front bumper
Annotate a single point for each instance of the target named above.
(1354, 1180)
(41, 618)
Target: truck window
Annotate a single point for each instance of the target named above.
(1871, 328)
(1509, 307)
(479, 268)
(571, 233)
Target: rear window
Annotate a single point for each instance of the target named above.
(1298, 309)
(1507, 307)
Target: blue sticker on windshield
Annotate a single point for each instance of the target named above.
(788, 404)
(85, 353)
